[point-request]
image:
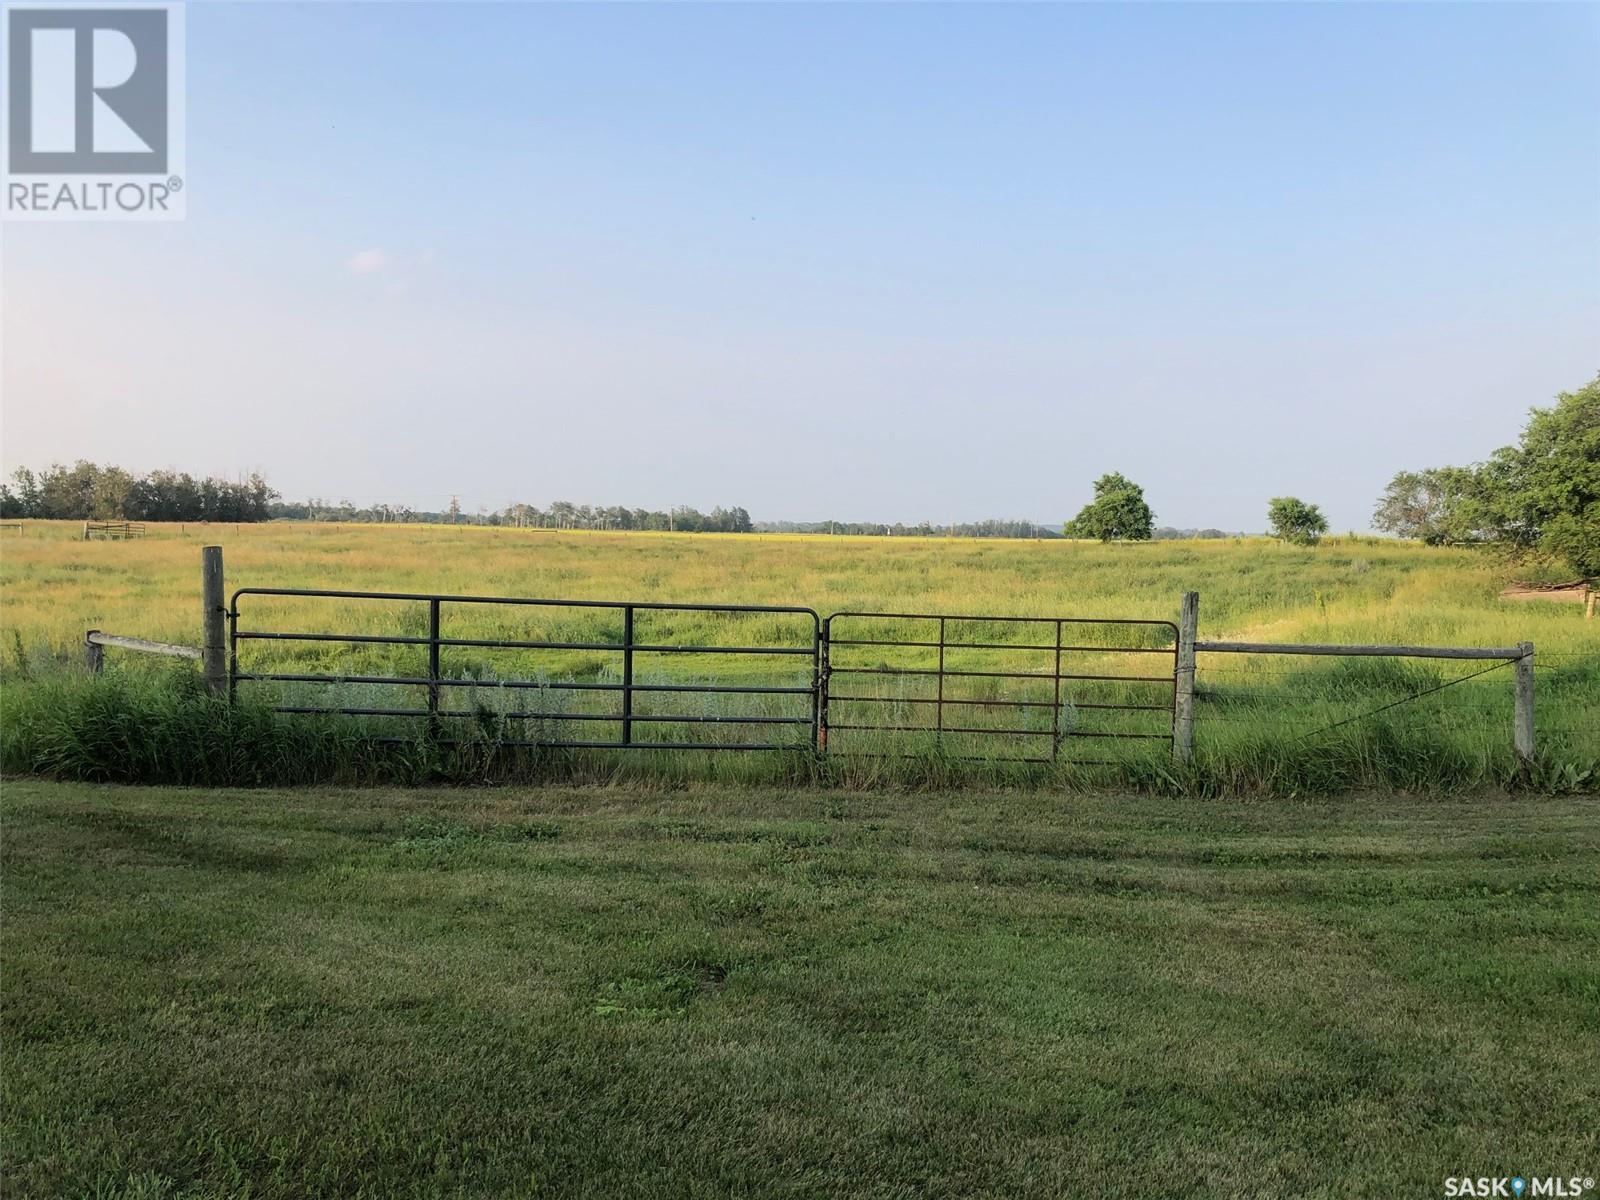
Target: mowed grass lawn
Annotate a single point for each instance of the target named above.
(624, 992)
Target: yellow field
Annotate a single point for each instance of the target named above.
(53, 585)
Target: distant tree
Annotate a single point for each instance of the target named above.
(67, 493)
(1435, 506)
(1538, 499)
(1118, 511)
(110, 494)
(23, 499)
(1541, 498)
(1295, 521)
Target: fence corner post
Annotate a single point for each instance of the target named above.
(94, 654)
(1523, 721)
(213, 643)
(1183, 679)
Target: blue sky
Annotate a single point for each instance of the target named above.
(895, 262)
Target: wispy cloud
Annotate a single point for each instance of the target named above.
(366, 262)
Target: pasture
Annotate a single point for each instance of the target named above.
(1260, 721)
(1347, 589)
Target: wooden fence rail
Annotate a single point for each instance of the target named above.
(212, 655)
(95, 643)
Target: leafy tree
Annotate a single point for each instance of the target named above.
(1295, 521)
(23, 500)
(1537, 499)
(1542, 496)
(1118, 510)
(1437, 506)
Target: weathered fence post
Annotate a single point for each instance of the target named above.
(213, 642)
(1523, 727)
(1183, 697)
(94, 654)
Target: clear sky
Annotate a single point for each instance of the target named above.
(894, 262)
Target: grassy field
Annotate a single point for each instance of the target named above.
(1251, 709)
(635, 992)
(55, 586)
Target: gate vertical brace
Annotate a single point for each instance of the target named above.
(1055, 709)
(939, 703)
(233, 649)
(433, 668)
(1183, 679)
(816, 687)
(627, 675)
(820, 690)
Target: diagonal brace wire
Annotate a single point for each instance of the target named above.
(1404, 700)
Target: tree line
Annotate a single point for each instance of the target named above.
(561, 514)
(88, 492)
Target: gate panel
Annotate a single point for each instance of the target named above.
(1017, 689)
(576, 674)
(608, 675)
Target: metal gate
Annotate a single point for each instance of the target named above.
(592, 667)
(588, 674)
(995, 688)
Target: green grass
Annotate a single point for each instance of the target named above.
(721, 992)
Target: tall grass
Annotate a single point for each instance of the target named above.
(1275, 725)
(163, 728)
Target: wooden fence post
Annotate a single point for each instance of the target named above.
(1183, 699)
(94, 654)
(1523, 721)
(213, 643)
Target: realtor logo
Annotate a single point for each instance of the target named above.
(93, 111)
(88, 91)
